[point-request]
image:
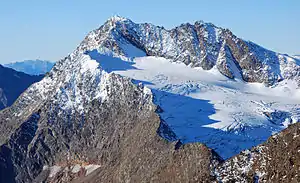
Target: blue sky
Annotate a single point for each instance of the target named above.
(50, 29)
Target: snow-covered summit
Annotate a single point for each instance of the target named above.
(117, 18)
(197, 45)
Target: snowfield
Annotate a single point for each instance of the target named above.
(205, 106)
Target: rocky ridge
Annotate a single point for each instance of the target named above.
(199, 45)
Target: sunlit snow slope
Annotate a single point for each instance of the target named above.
(205, 106)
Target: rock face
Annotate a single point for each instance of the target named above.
(276, 160)
(12, 84)
(83, 124)
(199, 45)
(118, 133)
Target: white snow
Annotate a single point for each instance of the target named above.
(76, 168)
(89, 64)
(54, 170)
(296, 57)
(90, 168)
(205, 106)
(132, 51)
(117, 18)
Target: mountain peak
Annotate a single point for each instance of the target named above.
(201, 22)
(31, 67)
(117, 18)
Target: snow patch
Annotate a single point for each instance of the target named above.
(76, 168)
(54, 170)
(90, 168)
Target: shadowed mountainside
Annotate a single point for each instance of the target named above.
(12, 84)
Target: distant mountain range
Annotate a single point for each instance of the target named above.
(297, 56)
(12, 84)
(32, 67)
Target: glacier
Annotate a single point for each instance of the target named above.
(227, 115)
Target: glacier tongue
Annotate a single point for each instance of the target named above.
(205, 106)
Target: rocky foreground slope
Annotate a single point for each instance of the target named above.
(116, 129)
(277, 160)
(82, 123)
